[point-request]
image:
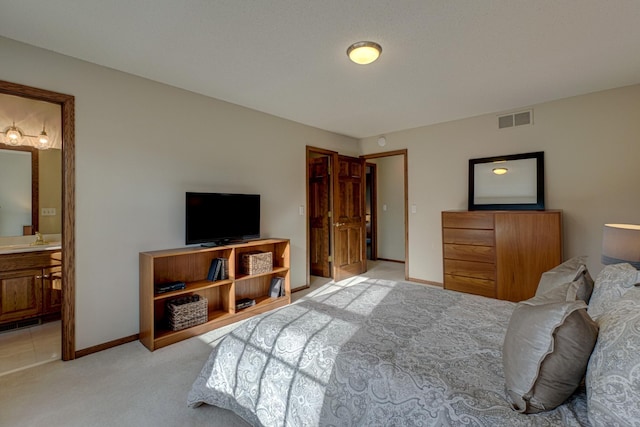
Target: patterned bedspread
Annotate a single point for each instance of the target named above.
(378, 353)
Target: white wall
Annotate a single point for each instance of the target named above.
(591, 146)
(390, 195)
(140, 146)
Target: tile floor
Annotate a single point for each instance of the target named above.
(24, 348)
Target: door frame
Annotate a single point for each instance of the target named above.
(67, 104)
(373, 214)
(405, 154)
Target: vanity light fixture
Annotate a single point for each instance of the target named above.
(364, 52)
(15, 136)
(500, 171)
(44, 141)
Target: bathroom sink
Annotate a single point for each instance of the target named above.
(27, 247)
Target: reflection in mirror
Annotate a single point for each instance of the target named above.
(18, 206)
(507, 182)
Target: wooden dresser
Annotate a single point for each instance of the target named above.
(500, 254)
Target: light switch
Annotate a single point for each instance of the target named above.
(413, 209)
(301, 210)
(384, 207)
(48, 211)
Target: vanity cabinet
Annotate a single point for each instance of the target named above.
(20, 294)
(30, 285)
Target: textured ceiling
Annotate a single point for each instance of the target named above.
(441, 60)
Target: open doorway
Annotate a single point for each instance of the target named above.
(387, 204)
(63, 280)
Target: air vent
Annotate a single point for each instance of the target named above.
(515, 119)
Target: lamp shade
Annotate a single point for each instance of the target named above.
(621, 243)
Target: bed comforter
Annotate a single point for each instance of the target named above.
(378, 353)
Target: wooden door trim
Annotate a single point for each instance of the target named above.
(67, 103)
(374, 209)
(405, 154)
(322, 151)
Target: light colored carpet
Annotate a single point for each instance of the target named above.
(129, 385)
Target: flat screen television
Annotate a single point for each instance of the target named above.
(218, 218)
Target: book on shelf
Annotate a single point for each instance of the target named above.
(161, 288)
(245, 303)
(219, 269)
(277, 287)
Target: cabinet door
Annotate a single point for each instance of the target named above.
(20, 294)
(527, 245)
(52, 290)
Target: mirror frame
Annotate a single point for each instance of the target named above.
(35, 184)
(67, 104)
(538, 156)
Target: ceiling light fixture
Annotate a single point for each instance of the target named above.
(364, 52)
(15, 136)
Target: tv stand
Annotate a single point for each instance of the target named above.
(191, 265)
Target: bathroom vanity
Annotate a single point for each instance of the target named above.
(30, 282)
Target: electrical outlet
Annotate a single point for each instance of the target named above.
(48, 211)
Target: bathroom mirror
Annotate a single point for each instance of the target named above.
(511, 182)
(18, 191)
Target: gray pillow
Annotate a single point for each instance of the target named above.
(611, 284)
(613, 374)
(546, 351)
(569, 271)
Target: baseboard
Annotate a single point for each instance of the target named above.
(96, 348)
(426, 282)
(390, 260)
(300, 288)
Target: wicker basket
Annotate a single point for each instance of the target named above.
(257, 262)
(185, 312)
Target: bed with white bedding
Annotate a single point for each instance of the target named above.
(378, 353)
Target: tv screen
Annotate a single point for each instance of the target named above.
(217, 218)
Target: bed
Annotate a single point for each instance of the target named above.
(376, 353)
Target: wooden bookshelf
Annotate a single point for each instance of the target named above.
(191, 265)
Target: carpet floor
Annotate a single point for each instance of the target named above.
(129, 385)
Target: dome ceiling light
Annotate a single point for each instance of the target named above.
(364, 52)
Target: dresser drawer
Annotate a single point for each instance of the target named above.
(470, 252)
(462, 236)
(481, 220)
(470, 285)
(479, 270)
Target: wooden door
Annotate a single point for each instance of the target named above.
(319, 233)
(349, 249)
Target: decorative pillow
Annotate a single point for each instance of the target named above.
(613, 374)
(545, 353)
(566, 292)
(569, 271)
(611, 284)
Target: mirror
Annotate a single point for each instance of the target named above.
(30, 179)
(18, 191)
(512, 182)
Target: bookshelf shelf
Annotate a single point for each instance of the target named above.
(191, 266)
